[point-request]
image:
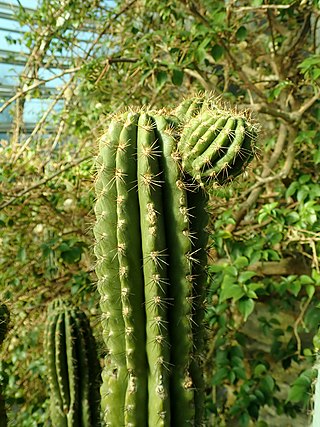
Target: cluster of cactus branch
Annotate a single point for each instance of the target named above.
(73, 367)
(152, 171)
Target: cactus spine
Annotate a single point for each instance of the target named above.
(150, 249)
(4, 321)
(73, 367)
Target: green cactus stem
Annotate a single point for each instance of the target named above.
(4, 322)
(73, 367)
(151, 255)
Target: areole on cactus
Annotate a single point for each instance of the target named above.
(152, 171)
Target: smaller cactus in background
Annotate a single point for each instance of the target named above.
(4, 321)
(73, 367)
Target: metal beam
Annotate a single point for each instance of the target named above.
(14, 7)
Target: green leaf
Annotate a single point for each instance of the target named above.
(219, 376)
(292, 189)
(161, 78)
(316, 341)
(217, 268)
(233, 291)
(259, 369)
(300, 389)
(217, 52)
(246, 307)
(306, 280)
(267, 384)
(177, 77)
(241, 262)
(295, 288)
(22, 254)
(296, 394)
(241, 33)
(244, 276)
(231, 271)
(200, 54)
(292, 217)
(310, 289)
(316, 157)
(303, 179)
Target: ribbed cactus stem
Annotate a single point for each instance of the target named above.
(151, 255)
(155, 260)
(115, 378)
(129, 256)
(180, 241)
(73, 367)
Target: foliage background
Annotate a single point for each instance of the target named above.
(263, 288)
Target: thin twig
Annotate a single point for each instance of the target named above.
(41, 122)
(297, 322)
(44, 181)
(36, 85)
(262, 7)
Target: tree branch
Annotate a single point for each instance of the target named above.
(44, 181)
(285, 267)
(35, 85)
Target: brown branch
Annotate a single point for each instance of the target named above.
(35, 85)
(266, 109)
(263, 7)
(285, 267)
(298, 320)
(43, 119)
(44, 181)
(195, 74)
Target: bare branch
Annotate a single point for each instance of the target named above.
(40, 122)
(44, 181)
(35, 85)
(284, 267)
(263, 7)
(195, 74)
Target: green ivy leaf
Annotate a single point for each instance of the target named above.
(161, 78)
(300, 389)
(217, 52)
(241, 33)
(200, 54)
(246, 307)
(241, 262)
(219, 376)
(177, 77)
(244, 276)
(233, 291)
(295, 288)
(306, 280)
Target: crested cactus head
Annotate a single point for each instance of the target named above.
(216, 144)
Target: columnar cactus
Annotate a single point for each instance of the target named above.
(150, 249)
(73, 367)
(4, 321)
